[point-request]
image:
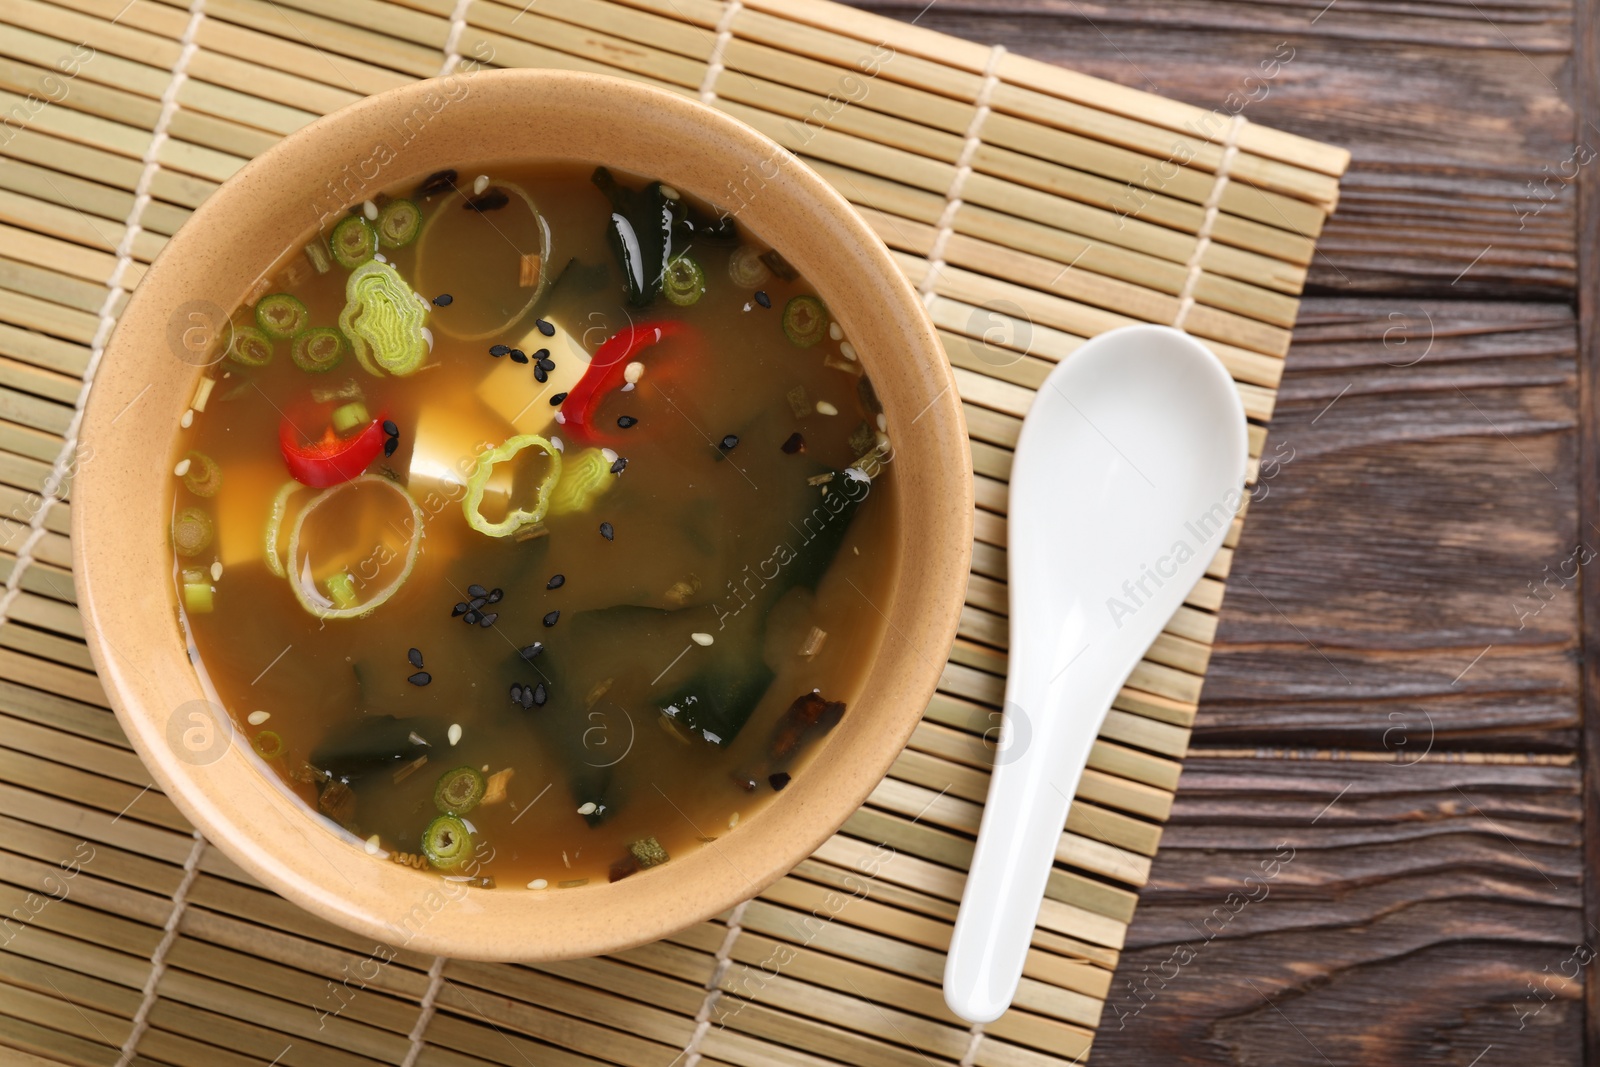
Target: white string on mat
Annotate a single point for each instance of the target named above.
(724, 959)
(158, 958)
(425, 1009)
(719, 46)
(970, 1058)
(452, 43)
(51, 495)
(1213, 206)
(969, 151)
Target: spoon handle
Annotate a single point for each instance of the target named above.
(1049, 728)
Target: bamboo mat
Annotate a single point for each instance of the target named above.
(1033, 207)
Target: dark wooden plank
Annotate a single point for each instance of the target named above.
(1335, 911)
(1457, 116)
(1415, 512)
(1586, 90)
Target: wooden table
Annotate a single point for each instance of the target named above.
(1393, 720)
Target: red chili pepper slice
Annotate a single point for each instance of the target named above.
(331, 459)
(606, 370)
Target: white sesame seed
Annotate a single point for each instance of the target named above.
(825, 408)
(883, 421)
(538, 883)
(733, 820)
(746, 305)
(380, 257)
(372, 845)
(835, 331)
(427, 335)
(216, 570)
(455, 733)
(669, 192)
(188, 418)
(847, 350)
(370, 210)
(256, 718)
(701, 639)
(633, 372)
(182, 468)
(561, 419)
(587, 809)
(627, 387)
(610, 455)
(479, 184)
(555, 442)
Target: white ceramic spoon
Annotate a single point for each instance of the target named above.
(1127, 474)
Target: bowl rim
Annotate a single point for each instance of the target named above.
(475, 928)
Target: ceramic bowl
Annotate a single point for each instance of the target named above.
(148, 377)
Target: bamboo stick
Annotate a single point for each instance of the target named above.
(672, 31)
(529, 25)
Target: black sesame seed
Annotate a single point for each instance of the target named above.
(556, 581)
(542, 356)
(607, 531)
(477, 590)
(620, 465)
(556, 400)
(532, 650)
(444, 300)
(545, 328)
(539, 695)
(540, 375)
(778, 780)
(459, 609)
(518, 356)
(471, 618)
(491, 200)
(495, 595)
(626, 421)
(794, 444)
(527, 698)
(415, 656)
(550, 619)
(436, 183)
(390, 428)
(499, 350)
(729, 442)
(516, 693)
(477, 603)
(488, 620)
(390, 446)
(763, 299)
(420, 678)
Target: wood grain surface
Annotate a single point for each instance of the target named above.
(1377, 853)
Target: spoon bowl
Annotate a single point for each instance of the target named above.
(1127, 475)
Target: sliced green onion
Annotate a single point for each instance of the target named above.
(447, 842)
(281, 316)
(197, 597)
(192, 532)
(280, 505)
(204, 476)
(805, 321)
(399, 222)
(685, 281)
(516, 518)
(342, 590)
(353, 242)
(350, 416)
(318, 256)
(268, 744)
(746, 269)
(301, 585)
(383, 317)
(459, 791)
(350, 390)
(584, 478)
(251, 347)
(318, 349)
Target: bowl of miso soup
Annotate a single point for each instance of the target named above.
(522, 514)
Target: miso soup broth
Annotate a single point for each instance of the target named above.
(534, 525)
